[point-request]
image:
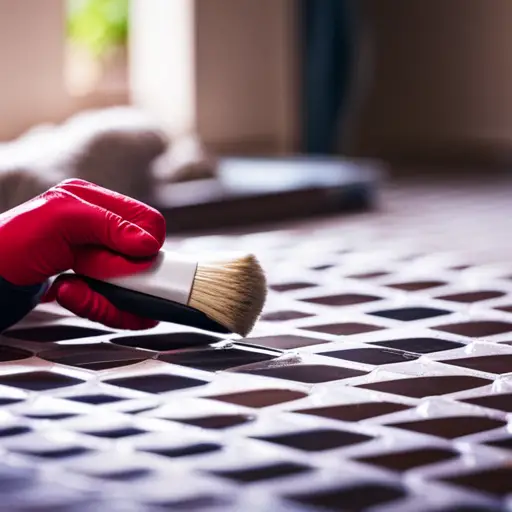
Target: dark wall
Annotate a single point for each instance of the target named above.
(435, 80)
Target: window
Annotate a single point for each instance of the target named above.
(96, 46)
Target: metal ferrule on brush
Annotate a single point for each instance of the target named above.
(170, 277)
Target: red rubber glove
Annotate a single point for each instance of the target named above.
(79, 226)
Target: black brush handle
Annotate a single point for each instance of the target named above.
(16, 302)
(154, 308)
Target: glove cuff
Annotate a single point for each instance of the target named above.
(18, 301)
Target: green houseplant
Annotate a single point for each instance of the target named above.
(97, 32)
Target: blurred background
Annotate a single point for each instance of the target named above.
(422, 88)
(391, 78)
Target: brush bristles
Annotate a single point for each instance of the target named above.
(232, 293)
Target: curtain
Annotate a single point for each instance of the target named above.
(327, 36)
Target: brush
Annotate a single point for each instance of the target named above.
(224, 296)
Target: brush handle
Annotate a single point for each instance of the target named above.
(154, 308)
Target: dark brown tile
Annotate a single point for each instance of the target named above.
(343, 299)
(187, 450)
(215, 359)
(98, 356)
(218, 421)
(376, 356)
(127, 474)
(356, 498)
(156, 383)
(325, 266)
(308, 373)
(505, 443)
(50, 414)
(54, 333)
(344, 329)
(39, 380)
(498, 364)
(472, 297)
(198, 503)
(451, 427)
(354, 412)
(283, 316)
(501, 402)
(369, 275)
(410, 314)
(8, 354)
(409, 459)
(95, 399)
(138, 407)
(14, 430)
(493, 481)
(113, 432)
(419, 345)
(260, 397)
(168, 341)
(460, 267)
(291, 286)
(55, 452)
(477, 329)
(317, 440)
(265, 472)
(414, 286)
(421, 387)
(4, 400)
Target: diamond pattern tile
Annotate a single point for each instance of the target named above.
(267, 472)
(380, 375)
(409, 459)
(317, 440)
(358, 497)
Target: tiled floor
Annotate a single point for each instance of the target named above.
(379, 378)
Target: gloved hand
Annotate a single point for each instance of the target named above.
(79, 226)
